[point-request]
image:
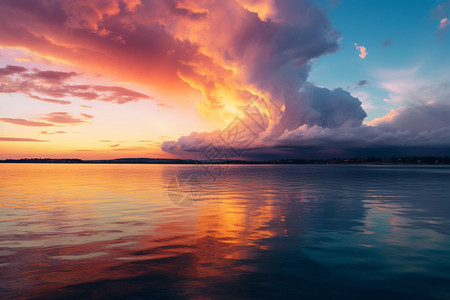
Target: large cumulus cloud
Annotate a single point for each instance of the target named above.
(272, 57)
(318, 122)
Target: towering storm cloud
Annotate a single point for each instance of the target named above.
(269, 54)
(273, 56)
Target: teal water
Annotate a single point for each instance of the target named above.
(249, 231)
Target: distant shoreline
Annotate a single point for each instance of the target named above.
(431, 160)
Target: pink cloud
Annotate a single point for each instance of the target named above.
(87, 116)
(10, 70)
(63, 102)
(362, 51)
(163, 105)
(24, 122)
(16, 79)
(64, 118)
(50, 76)
(443, 24)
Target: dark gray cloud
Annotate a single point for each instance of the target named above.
(387, 43)
(417, 130)
(362, 83)
(416, 119)
(335, 108)
(359, 84)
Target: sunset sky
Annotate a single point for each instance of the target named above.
(107, 79)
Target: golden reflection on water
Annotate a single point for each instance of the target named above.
(63, 225)
(66, 224)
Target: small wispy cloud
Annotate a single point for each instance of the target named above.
(362, 51)
(63, 102)
(386, 43)
(13, 139)
(51, 119)
(87, 116)
(362, 83)
(65, 118)
(163, 105)
(23, 122)
(129, 149)
(56, 132)
(443, 25)
(358, 85)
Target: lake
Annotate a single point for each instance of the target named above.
(245, 231)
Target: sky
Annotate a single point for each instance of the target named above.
(238, 79)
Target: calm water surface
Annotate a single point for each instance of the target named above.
(274, 231)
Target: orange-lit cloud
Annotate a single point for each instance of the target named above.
(444, 23)
(174, 46)
(101, 36)
(443, 26)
